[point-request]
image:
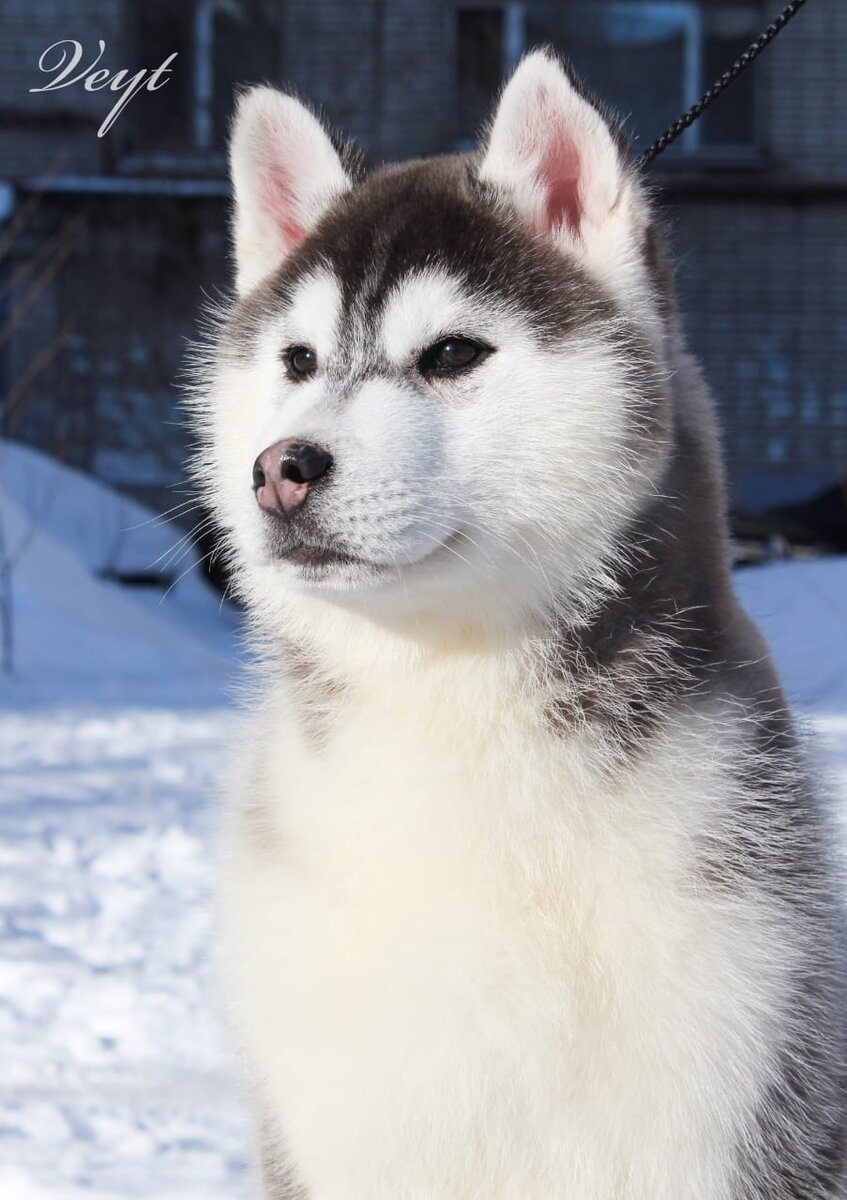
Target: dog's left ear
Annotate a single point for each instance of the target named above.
(553, 155)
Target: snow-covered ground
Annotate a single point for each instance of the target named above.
(116, 1080)
(115, 1077)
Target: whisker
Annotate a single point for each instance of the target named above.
(189, 568)
(182, 509)
(190, 545)
(176, 552)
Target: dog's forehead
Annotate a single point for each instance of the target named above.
(412, 228)
(402, 221)
(416, 240)
(421, 305)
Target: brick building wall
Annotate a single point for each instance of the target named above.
(763, 273)
(761, 245)
(805, 101)
(763, 290)
(379, 69)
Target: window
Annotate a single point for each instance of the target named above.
(159, 121)
(219, 43)
(649, 59)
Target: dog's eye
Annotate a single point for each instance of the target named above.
(301, 362)
(451, 355)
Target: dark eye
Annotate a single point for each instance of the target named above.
(301, 362)
(451, 355)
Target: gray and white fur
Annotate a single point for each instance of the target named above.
(528, 892)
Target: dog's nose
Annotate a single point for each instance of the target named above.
(283, 474)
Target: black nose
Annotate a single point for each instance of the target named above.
(303, 462)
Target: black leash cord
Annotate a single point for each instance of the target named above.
(688, 118)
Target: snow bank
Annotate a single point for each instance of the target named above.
(79, 638)
(802, 608)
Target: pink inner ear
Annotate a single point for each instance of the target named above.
(277, 193)
(559, 170)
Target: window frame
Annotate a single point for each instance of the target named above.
(691, 149)
(200, 154)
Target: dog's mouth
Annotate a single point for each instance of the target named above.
(305, 555)
(319, 561)
(319, 566)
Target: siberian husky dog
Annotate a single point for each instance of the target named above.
(528, 894)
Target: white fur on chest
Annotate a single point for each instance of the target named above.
(464, 969)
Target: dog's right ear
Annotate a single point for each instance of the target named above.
(560, 162)
(285, 173)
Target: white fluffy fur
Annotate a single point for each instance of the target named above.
(465, 957)
(465, 966)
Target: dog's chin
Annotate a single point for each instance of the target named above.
(334, 568)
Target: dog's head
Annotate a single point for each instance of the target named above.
(442, 385)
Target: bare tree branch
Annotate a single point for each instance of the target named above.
(18, 394)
